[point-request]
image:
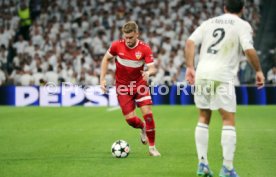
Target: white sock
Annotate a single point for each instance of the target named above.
(201, 139)
(228, 142)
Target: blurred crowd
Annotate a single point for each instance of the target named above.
(65, 40)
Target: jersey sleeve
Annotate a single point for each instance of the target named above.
(197, 35)
(148, 56)
(113, 49)
(245, 37)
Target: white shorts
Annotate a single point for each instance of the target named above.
(215, 95)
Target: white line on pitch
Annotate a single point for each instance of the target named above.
(113, 109)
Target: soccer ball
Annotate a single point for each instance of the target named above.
(120, 149)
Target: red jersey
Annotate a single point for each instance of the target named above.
(130, 61)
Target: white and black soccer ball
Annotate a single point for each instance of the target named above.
(120, 149)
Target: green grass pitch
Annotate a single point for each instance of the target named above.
(76, 142)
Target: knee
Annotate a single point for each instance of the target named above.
(130, 115)
(146, 110)
(150, 124)
(228, 120)
(204, 120)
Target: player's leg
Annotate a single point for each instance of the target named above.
(202, 139)
(202, 101)
(228, 142)
(134, 121)
(226, 101)
(127, 105)
(202, 135)
(150, 124)
(150, 128)
(144, 102)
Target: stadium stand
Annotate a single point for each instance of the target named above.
(67, 39)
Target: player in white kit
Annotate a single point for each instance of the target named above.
(223, 40)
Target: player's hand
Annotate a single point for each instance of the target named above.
(190, 76)
(145, 75)
(260, 79)
(103, 86)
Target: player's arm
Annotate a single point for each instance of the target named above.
(189, 56)
(253, 58)
(104, 66)
(246, 41)
(149, 60)
(150, 72)
(190, 47)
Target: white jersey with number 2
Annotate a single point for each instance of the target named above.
(222, 40)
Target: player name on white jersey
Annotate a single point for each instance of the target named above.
(223, 21)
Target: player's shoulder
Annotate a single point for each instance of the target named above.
(118, 42)
(241, 22)
(204, 24)
(144, 44)
(245, 23)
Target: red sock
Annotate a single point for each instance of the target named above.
(150, 128)
(135, 122)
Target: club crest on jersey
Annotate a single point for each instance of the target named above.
(138, 55)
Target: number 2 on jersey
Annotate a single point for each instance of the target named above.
(221, 33)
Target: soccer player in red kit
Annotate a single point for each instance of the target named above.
(132, 89)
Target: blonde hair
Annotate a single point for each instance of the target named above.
(129, 27)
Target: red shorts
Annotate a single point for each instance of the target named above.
(129, 98)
